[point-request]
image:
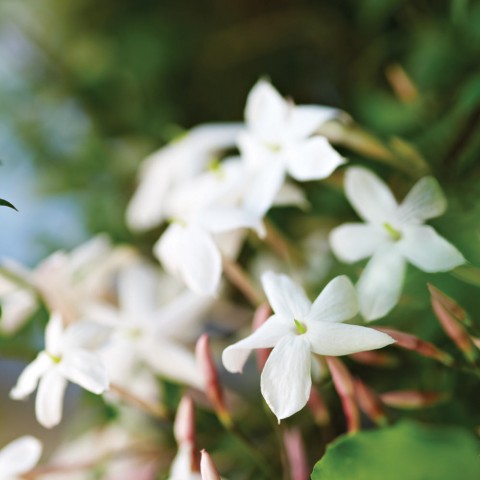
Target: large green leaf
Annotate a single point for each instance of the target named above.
(405, 451)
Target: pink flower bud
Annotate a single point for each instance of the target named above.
(213, 388)
(297, 457)
(369, 403)
(207, 467)
(375, 358)
(318, 407)
(411, 399)
(343, 383)
(184, 426)
(262, 313)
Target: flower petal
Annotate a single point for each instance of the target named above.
(49, 401)
(85, 369)
(19, 456)
(335, 339)
(224, 219)
(286, 381)
(266, 112)
(425, 200)
(285, 297)
(428, 251)
(369, 196)
(266, 336)
(86, 334)
(352, 242)
(336, 303)
(28, 379)
(380, 284)
(54, 334)
(312, 159)
(304, 120)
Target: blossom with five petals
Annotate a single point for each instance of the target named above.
(68, 356)
(393, 235)
(18, 457)
(297, 329)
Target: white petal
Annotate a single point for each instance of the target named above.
(286, 380)
(339, 339)
(266, 112)
(49, 401)
(336, 303)
(171, 360)
(85, 369)
(285, 297)
(352, 242)
(191, 253)
(425, 200)
(369, 196)
(85, 334)
(28, 379)
(291, 195)
(224, 219)
(304, 120)
(54, 334)
(19, 456)
(428, 251)
(265, 185)
(312, 159)
(266, 336)
(380, 284)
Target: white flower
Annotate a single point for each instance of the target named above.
(206, 206)
(279, 138)
(297, 329)
(392, 235)
(18, 457)
(170, 166)
(67, 357)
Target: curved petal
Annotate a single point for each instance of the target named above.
(19, 456)
(49, 401)
(28, 379)
(86, 334)
(266, 336)
(312, 159)
(425, 200)
(173, 361)
(285, 297)
(352, 242)
(304, 120)
(428, 251)
(369, 196)
(266, 112)
(335, 339)
(190, 253)
(85, 369)
(291, 195)
(54, 334)
(224, 219)
(286, 380)
(336, 303)
(380, 284)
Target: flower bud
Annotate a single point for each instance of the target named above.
(184, 426)
(207, 467)
(369, 403)
(411, 399)
(296, 455)
(375, 358)
(318, 407)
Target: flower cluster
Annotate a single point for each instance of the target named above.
(119, 323)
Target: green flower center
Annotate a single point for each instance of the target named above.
(301, 327)
(394, 233)
(54, 358)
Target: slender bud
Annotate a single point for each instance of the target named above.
(297, 458)
(412, 399)
(262, 314)
(318, 407)
(213, 388)
(370, 403)
(422, 347)
(208, 470)
(375, 358)
(448, 314)
(184, 426)
(343, 383)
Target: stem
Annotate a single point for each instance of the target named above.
(239, 278)
(157, 411)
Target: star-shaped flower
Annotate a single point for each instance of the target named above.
(297, 329)
(68, 356)
(18, 457)
(393, 235)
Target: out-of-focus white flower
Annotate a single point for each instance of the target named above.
(392, 235)
(172, 165)
(207, 467)
(68, 356)
(297, 329)
(149, 330)
(280, 138)
(18, 457)
(206, 206)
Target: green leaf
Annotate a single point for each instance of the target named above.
(405, 451)
(5, 203)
